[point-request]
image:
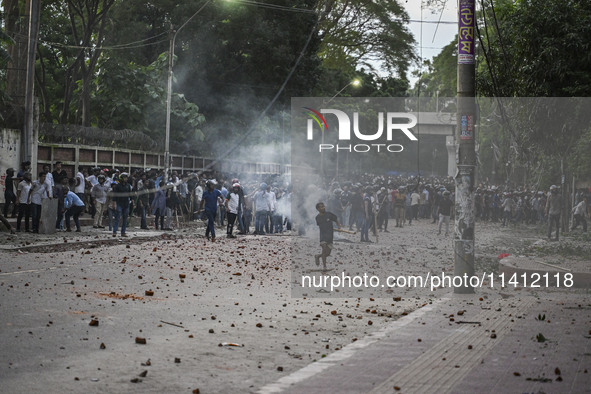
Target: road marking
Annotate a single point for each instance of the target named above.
(347, 351)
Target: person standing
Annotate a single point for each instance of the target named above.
(60, 178)
(49, 178)
(159, 206)
(553, 207)
(383, 209)
(366, 215)
(241, 206)
(98, 194)
(91, 181)
(198, 194)
(262, 208)
(399, 206)
(58, 174)
(22, 197)
(9, 196)
(121, 195)
(231, 204)
(444, 209)
(143, 199)
(415, 203)
(80, 184)
(579, 211)
(325, 221)
(209, 200)
(39, 191)
(508, 208)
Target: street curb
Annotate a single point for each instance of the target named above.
(532, 268)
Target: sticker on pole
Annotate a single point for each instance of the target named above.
(467, 127)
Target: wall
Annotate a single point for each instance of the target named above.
(10, 153)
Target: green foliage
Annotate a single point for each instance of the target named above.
(5, 40)
(580, 159)
(356, 34)
(440, 76)
(231, 59)
(536, 48)
(133, 96)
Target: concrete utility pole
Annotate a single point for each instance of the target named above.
(172, 36)
(465, 145)
(28, 132)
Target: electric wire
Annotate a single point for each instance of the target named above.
(439, 21)
(276, 6)
(128, 45)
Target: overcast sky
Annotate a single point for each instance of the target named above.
(434, 37)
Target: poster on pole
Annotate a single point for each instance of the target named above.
(466, 20)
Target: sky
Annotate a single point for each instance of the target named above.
(432, 37)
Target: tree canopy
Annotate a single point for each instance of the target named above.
(104, 63)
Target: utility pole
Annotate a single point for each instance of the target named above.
(465, 147)
(172, 36)
(28, 132)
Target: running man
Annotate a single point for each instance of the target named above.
(325, 220)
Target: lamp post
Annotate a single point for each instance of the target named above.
(354, 82)
(172, 35)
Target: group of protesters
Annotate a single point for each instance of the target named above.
(367, 202)
(110, 196)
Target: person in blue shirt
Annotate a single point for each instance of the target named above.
(210, 201)
(159, 205)
(74, 207)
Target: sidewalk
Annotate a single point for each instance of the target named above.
(489, 342)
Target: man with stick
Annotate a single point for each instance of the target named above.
(325, 220)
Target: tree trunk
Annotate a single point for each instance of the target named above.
(17, 28)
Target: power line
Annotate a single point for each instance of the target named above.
(57, 44)
(129, 45)
(277, 7)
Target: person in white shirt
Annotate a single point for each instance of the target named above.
(22, 201)
(39, 191)
(262, 208)
(99, 196)
(415, 199)
(232, 202)
(80, 184)
(198, 194)
(92, 180)
(579, 212)
(49, 178)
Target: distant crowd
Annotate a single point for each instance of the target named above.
(366, 203)
(369, 202)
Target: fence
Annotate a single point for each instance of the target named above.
(75, 156)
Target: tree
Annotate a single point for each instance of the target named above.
(4, 59)
(131, 96)
(533, 48)
(73, 33)
(369, 34)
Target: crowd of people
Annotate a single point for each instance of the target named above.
(366, 203)
(111, 197)
(370, 202)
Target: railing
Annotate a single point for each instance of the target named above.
(75, 156)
